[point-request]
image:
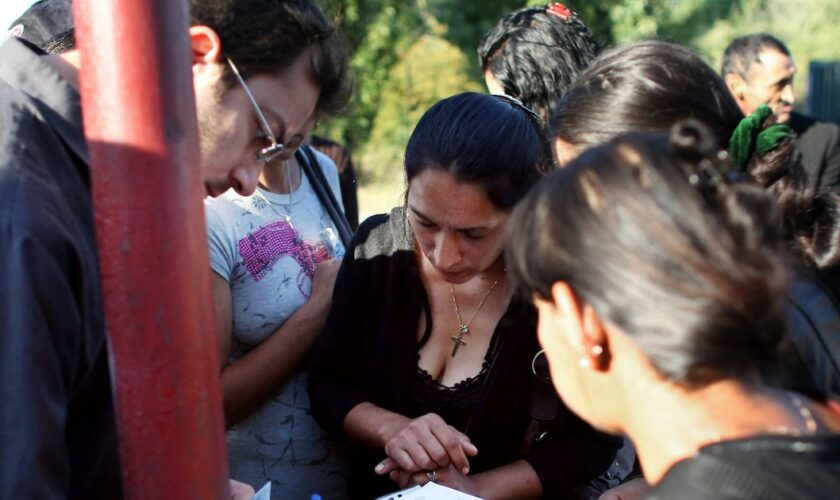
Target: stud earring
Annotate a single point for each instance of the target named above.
(594, 351)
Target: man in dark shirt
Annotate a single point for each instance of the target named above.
(758, 69)
(57, 428)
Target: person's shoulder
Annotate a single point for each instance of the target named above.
(229, 198)
(807, 126)
(383, 234)
(224, 211)
(799, 121)
(327, 166)
(38, 211)
(807, 291)
(755, 467)
(19, 126)
(31, 177)
(323, 159)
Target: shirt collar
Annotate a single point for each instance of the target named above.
(22, 67)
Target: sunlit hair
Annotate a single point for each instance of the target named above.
(488, 140)
(743, 52)
(267, 36)
(643, 86)
(535, 55)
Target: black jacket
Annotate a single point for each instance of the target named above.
(819, 145)
(814, 325)
(57, 427)
(765, 468)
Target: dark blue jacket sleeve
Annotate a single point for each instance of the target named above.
(38, 318)
(830, 179)
(814, 323)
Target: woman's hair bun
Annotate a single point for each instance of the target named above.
(692, 141)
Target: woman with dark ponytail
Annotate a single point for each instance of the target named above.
(659, 276)
(649, 86)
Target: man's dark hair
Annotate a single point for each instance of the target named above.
(743, 52)
(487, 140)
(267, 36)
(60, 43)
(261, 36)
(643, 86)
(535, 55)
(44, 21)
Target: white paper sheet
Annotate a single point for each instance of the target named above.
(264, 493)
(429, 491)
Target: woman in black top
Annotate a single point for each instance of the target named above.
(659, 282)
(425, 360)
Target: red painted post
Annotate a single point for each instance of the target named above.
(140, 123)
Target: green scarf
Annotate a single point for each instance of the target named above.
(748, 138)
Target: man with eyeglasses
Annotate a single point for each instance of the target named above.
(57, 428)
(273, 274)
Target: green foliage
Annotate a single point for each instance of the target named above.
(408, 54)
(380, 33)
(619, 21)
(429, 71)
(466, 22)
(808, 28)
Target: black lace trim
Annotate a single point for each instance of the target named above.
(459, 387)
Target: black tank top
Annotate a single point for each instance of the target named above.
(452, 403)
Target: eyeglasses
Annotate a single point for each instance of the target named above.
(274, 148)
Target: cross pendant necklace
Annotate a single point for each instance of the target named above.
(459, 340)
(464, 328)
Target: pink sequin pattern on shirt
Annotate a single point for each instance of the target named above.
(261, 249)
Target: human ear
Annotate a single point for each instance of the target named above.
(564, 152)
(206, 45)
(568, 308)
(595, 340)
(553, 330)
(584, 326)
(736, 85)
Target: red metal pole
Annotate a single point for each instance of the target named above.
(140, 123)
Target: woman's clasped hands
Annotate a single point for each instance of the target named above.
(428, 449)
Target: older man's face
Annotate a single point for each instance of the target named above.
(768, 81)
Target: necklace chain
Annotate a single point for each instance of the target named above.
(805, 414)
(464, 328)
(286, 207)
